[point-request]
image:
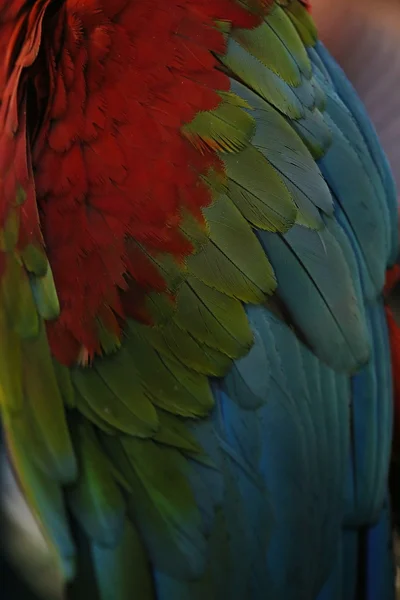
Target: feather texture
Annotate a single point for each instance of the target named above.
(193, 249)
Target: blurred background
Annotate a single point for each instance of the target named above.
(364, 36)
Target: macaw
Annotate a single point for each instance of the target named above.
(196, 219)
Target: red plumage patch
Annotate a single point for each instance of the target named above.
(392, 277)
(109, 161)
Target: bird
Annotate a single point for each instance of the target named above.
(196, 223)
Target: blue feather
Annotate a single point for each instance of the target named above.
(357, 200)
(308, 266)
(348, 95)
(380, 571)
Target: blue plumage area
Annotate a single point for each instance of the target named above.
(301, 433)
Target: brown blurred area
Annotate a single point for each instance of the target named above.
(364, 37)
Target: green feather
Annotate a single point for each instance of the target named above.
(174, 432)
(261, 79)
(267, 47)
(113, 370)
(170, 385)
(173, 342)
(85, 409)
(109, 339)
(276, 139)
(303, 22)
(281, 24)
(47, 407)
(11, 389)
(213, 318)
(35, 260)
(45, 295)
(95, 498)
(227, 128)
(10, 232)
(195, 231)
(234, 262)
(65, 386)
(160, 306)
(120, 403)
(162, 504)
(16, 296)
(258, 191)
(43, 494)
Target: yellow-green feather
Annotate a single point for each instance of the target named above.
(283, 27)
(303, 22)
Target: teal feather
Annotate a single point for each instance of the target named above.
(343, 119)
(305, 94)
(384, 420)
(346, 92)
(356, 198)
(314, 132)
(124, 570)
(308, 264)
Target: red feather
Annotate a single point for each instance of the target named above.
(392, 277)
(109, 160)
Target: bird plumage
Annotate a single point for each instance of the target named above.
(196, 222)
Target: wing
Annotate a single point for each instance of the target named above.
(196, 225)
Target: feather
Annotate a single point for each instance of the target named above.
(348, 95)
(325, 308)
(223, 265)
(281, 24)
(116, 410)
(123, 569)
(261, 79)
(263, 199)
(280, 145)
(95, 499)
(268, 48)
(163, 504)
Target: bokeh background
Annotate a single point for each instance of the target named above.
(364, 36)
